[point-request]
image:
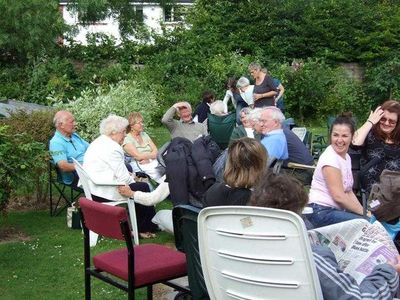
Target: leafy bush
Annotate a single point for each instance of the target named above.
(50, 76)
(23, 155)
(21, 160)
(382, 80)
(12, 82)
(96, 104)
(317, 90)
(37, 124)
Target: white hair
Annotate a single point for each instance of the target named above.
(276, 113)
(218, 108)
(255, 114)
(113, 124)
(242, 82)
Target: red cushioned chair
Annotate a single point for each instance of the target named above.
(140, 266)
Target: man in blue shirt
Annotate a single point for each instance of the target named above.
(270, 125)
(65, 145)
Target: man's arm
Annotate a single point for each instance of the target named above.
(382, 283)
(58, 153)
(168, 118)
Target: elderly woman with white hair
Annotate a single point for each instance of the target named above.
(246, 129)
(246, 91)
(104, 160)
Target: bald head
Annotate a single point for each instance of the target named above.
(64, 122)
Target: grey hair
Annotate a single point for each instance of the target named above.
(246, 111)
(254, 66)
(276, 113)
(113, 124)
(218, 108)
(242, 82)
(255, 114)
(60, 117)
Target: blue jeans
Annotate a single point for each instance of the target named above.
(326, 215)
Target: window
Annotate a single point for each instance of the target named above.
(139, 17)
(174, 13)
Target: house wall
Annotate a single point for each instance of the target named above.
(153, 17)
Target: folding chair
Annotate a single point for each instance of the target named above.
(186, 240)
(256, 253)
(84, 179)
(220, 128)
(137, 266)
(320, 142)
(66, 192)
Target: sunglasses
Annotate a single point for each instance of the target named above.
(391, 122)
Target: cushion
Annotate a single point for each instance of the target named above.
(153, 263)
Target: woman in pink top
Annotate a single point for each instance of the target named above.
(331, 194)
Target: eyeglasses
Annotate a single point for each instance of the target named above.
(391, 122)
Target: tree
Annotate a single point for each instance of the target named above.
(28, 29)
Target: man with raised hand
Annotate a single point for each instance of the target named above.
(185, 127)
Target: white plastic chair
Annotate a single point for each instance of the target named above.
(84, 180)
(256, 253)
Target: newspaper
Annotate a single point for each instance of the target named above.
(357, 245)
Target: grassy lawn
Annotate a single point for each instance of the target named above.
(50, 264)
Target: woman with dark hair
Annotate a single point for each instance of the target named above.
(203, 109)
(246, 162)
(379, 139)
(233, 94)
(331, 193)
(264, 88)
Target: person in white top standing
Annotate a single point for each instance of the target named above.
(331, 193)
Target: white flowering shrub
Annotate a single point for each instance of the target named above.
(122, 99)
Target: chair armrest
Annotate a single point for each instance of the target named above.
(293, 165)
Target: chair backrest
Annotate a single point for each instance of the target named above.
(103, 219)
(256, 253)
(186, 240)
(83, 178)
(221, 127)
(300, 132)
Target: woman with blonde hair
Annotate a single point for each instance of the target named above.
(246, 162)
(138, 145)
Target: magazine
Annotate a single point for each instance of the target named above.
(357, 245)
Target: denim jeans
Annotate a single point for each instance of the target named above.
(326, 215)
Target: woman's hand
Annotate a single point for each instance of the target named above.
(126, 191)
(144, 161)
(396, 265)
(257, 96)
(375, 116)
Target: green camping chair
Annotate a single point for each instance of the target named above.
(220, 128)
